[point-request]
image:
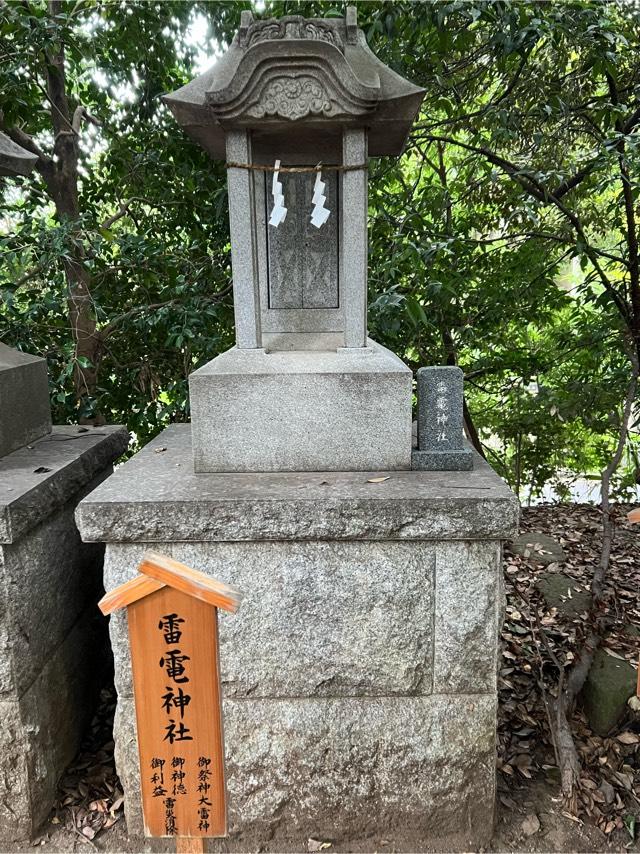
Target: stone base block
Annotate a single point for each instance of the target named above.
(25, 413)
(40, 731)
(461, 460)
(418, 772)
(346, 410)
(359, 674)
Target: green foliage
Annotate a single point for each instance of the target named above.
(470, 262)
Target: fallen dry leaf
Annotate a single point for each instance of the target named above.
(527, 663)
(628, 738)
(317, 845)
(378, 479)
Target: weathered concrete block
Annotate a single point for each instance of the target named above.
(50, 633)
(25, 413)
(36, 481)
(345, 410)
(56, 709)
(40, 607)
(419, 771)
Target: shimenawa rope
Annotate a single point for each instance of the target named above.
(321, 167)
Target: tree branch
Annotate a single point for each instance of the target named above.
(532, 185)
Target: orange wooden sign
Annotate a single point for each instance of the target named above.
(172, 612)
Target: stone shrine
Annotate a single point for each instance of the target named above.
(359, 674)
(304, 389)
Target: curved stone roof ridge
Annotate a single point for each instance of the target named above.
(294, 69)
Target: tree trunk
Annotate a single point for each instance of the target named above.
(61, 177)
(569, 689)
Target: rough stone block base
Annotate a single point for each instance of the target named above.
(25, 414)
(416, 771)
(359, 674)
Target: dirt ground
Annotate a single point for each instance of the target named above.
(530, 816)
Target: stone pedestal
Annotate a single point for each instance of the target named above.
(259, 411)
(359, 674)
(49, 635)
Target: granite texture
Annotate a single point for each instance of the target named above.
(51, 634)
(35, 481)
(467, 617)
(155, 497)
(441, 443)
(301, 411)
(41, 730)
(246, 300)
(359, 674)
(418, 771)
(301, 611)
(440, 408)
(350, 667)
(25, 413)
(354, 242)
(461, 460)
(48, 578)
(339, 81)
(15, 796)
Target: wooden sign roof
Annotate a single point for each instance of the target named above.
(159, 571)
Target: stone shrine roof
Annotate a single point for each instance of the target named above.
(312, 71)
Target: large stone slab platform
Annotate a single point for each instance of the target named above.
(359, 675)
(51, 636)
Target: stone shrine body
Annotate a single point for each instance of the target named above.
(304, 389)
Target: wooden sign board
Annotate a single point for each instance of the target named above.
(172, 613)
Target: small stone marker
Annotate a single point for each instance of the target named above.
(172, 613)
(440, 421)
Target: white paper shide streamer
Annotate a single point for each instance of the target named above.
(319, 214)
(279, 212)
